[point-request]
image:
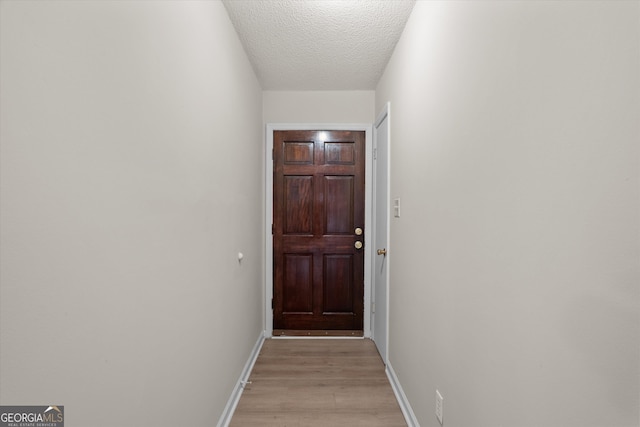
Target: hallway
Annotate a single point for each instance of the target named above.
(318, 382)
(135, 196)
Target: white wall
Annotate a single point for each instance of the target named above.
(318, 106)
(131, 177)
(515, 282)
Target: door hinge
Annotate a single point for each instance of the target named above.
(273, 154)
(272, 228)
(271, 303)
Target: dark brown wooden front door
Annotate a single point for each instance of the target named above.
(318, 203)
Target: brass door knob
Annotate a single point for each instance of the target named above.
(358, 244)
(382, 252)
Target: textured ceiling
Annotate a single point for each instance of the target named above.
(319, 44)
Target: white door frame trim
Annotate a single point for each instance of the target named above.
(384, 114)
(268, 179)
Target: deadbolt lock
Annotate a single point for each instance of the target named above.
(358, 231)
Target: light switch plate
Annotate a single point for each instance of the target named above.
(396, 207)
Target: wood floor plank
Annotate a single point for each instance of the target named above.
(318, 383)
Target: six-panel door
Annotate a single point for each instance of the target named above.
(318, 205)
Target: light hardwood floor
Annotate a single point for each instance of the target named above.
(313, 382)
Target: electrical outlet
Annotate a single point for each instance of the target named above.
(439, 406)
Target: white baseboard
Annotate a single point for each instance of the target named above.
(409, 416)
(227, 414)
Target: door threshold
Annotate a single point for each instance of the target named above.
(302, 333)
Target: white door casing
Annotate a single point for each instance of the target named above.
(268, 215)
(380, 262)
